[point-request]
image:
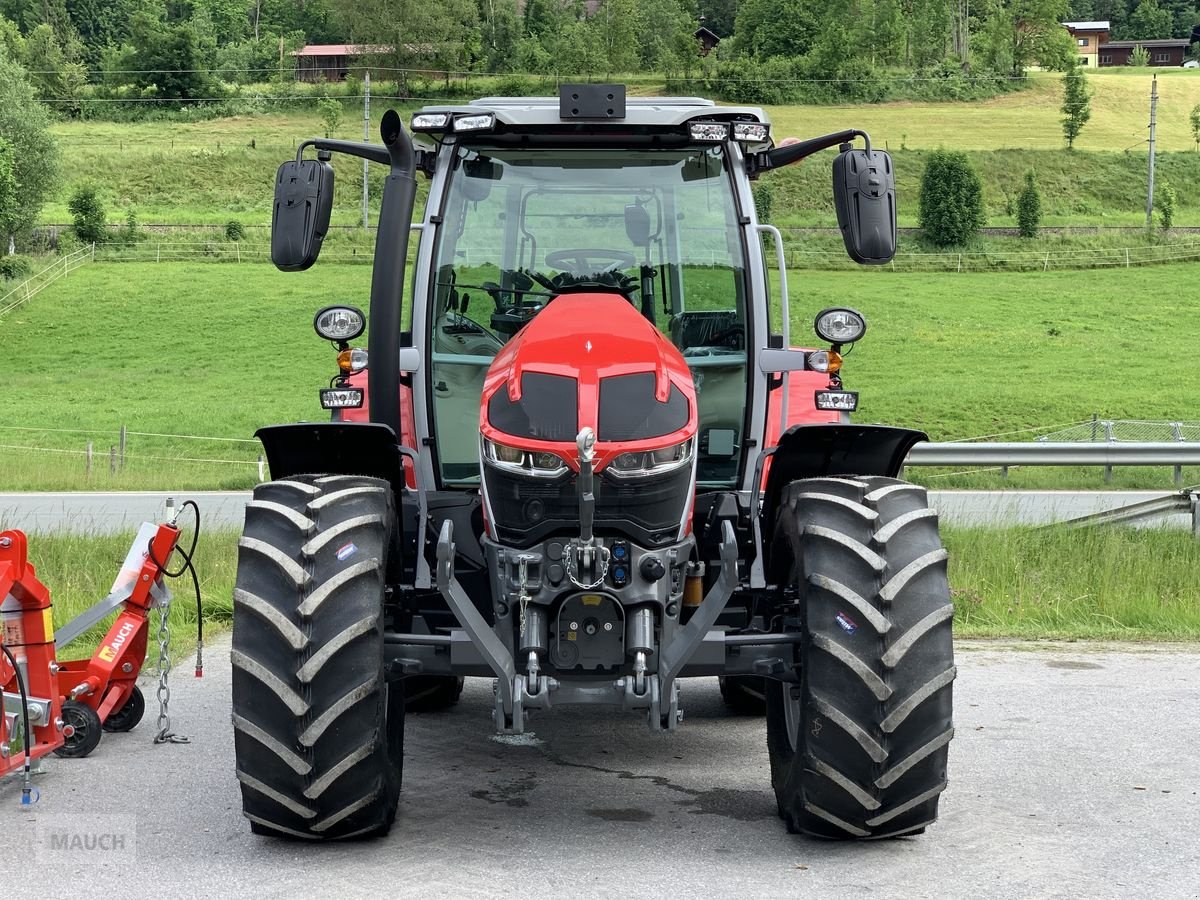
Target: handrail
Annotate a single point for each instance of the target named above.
(1062, 453)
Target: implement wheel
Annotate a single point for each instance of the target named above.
(318, 729)
(858, 747)
(127, 717)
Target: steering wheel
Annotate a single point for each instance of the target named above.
(731, 338)
(590, 262)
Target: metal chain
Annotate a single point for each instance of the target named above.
(573, 568)
(165, 734)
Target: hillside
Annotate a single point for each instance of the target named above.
(223, 348)
(209, 172)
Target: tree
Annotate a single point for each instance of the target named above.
(1036, 31)
(1077, 104)
(951, 202)
(1029, 208)
(8, 193)
(499, 31)
(1149, 22)
(1194, 121)
(1165, 200)
(767, 28)
(87, 214)
(168, 59)
(331, 114)
(418, 34)
(24, 123)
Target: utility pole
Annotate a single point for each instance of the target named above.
(366, 137)
(1150, 183)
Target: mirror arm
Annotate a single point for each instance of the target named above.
(372, 152)
(793, 153)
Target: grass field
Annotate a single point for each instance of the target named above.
(1116, 584)
(217, 350)
(208, 172)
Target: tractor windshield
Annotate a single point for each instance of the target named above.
(522, 226)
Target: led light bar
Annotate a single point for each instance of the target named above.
(430, 121)
(750, 132)
(841, 401)
(341, 398)
(708, 131)
(484, 122)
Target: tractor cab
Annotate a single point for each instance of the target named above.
(525, 226)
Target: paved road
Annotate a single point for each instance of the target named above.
(107, 512)
(1075, 773)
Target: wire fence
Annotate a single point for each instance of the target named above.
(32, 286)
(120, 449)
(1008, 261)
(1136, 430)
(218, 250)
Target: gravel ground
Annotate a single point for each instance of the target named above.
(1074, 773)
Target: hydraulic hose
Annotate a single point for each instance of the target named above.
(26, 774)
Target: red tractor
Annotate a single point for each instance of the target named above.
(588, 463)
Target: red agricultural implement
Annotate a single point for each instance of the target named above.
(63, 706)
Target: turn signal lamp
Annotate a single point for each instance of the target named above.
(352, 360)
(828, 361)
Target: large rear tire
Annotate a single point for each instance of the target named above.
(858, 748)
(746, 695)
(318, 730)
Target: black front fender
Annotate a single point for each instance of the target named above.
(811, 451)
(333, 448)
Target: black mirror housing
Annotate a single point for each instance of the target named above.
(864, 193)
(300, 220)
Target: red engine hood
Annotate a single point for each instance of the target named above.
(590, 337)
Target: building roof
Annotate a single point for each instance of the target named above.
(341, 50)
(707, 33)
(1129, 45)
(1087, 26)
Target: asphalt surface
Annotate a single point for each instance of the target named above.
(110, 512)
(1075, 772)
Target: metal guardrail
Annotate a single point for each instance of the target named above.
(1058, 453)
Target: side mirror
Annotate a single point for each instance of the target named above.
(864, 192)
(300, 221)
(637, 225)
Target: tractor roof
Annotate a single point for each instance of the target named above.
(642, 113)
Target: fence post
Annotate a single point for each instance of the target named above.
(1108, 436)
(112, 460)
(238, 248)
(261, 474)
(1046, 267)
(1094, 417)
(1177, 433)
(158, 252)
(123, 433)
(93, 251)
(87, 466)
(1127, 257)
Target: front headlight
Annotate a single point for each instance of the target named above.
(538, 463)
(840, 325)
(652, 462)
(340, 323)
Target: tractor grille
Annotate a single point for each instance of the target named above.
(529, 510)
